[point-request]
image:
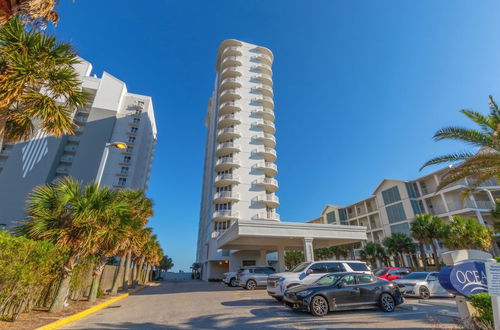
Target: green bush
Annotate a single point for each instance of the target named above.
(482, 303)
(497, 259)
(28, 271)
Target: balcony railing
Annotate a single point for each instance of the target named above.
(230, 61)
(265, 101)
(266, 125)
(269, 168)
(231, 51)
(269, 216)
(486, 205)
(230, 83)
(263, 68)
(226, 163)
(67, 159)
(271, 200)
(265, 78)
(231, 71)
(226, 179)
(268, 139)
(228, 120)
(227, 133)
(228, 107)
(229, 95)
(264, 89)
(264, 58)
(226, 214)
(268, 153)
(270, 184)
(226, 196)
(227, 147)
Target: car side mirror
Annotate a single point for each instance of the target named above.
(340, 285)
(309, 271)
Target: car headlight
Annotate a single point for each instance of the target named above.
(304, 293)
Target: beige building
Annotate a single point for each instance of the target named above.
(394, 204)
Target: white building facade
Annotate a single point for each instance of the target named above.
(112, 114)
(239, 225)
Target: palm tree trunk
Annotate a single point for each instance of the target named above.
(148, 271)
(61, 294)
(96, 278)
(140, 270)
(422, 255)
(134, 274)
(434, 252)
(2, 127)
(127, 271)
(119, 276)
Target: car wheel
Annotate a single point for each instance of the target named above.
(232, 282)
(280, 299)
(251, 285)
(319, 306)
(424, 292)
(387, 302)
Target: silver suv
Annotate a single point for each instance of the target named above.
(252, 277)
(309, 272)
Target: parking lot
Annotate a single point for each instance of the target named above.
(202, 305)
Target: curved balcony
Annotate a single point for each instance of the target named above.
(266, 101)
(228, 120)
(231, 51)
(229, 95)
(266, 125)
(226, 179)
(226, 197)
(270, 200)
(227, 134)
(229, 83)
(230, 72)
(270, 169)
(226, 215)
(227, 148)
(265, 79)
(228, 107)
(230, 61)
(263, 68)
(273, 216)
(226, 163)
(267, 114)
(264, 50)
(263, 58)
(270, 184)
(269, 154)
(267, 139)
(264, 90)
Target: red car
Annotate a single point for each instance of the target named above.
(391, 273)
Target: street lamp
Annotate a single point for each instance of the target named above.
(100, 171)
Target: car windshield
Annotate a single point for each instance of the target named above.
(328, 279)
(416, 276)
(379, 271)
(299, 268)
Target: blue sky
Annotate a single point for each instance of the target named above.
(360, 88)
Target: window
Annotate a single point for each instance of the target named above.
(366, 279)
(396, 213)
(412, 190)
(126, 159)
(358, 266)
(131, 139)
(133, 130)
(328, 280)
(122, 181)
(140, 103)
(348, 280)
(130, 149)
(401, 228)
(415, 205)
(330, 217)
(138, 112)
(334, 267)
(136, 121)
(248, 263)
(319, 268)
(391, 195)
(342, 216)
(432, 277)
(124, 170)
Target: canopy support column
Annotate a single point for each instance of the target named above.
(308, 249)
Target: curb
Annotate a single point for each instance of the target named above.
(59, 323)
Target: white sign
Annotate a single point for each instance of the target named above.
(493, 278)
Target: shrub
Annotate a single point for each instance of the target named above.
(482, 303)
(28, 270)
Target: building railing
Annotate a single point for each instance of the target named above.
(266, 181)
(269, 216)
(226, 214)
(227, 177)
(226, 194)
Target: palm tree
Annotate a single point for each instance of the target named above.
(166, 263)
(427, 229)
(481, 163)
(340, 251)
(141, 209)
(467, 233)
(371, 252)
(70, 216)
(37, 12)
(38, 83)
(397, 244)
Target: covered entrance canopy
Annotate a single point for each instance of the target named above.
(279, 236)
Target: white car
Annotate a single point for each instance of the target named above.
(422, 284)
(230, 279)
(309, 272)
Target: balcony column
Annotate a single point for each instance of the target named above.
(308, 249)
(263, 257)
(281, 259)
(480, 218)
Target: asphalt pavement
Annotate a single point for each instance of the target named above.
(201, 305)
